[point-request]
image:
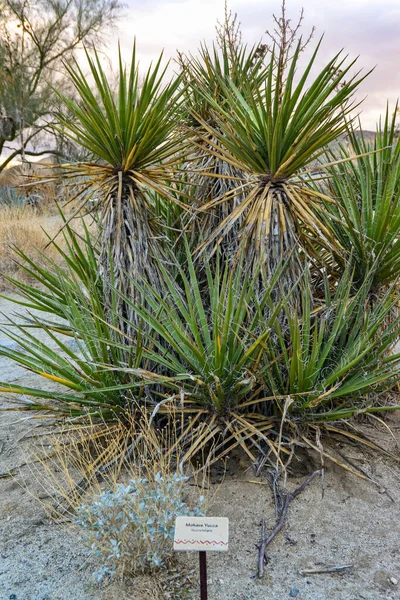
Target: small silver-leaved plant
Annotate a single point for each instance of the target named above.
(132, 527)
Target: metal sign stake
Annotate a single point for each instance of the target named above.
(197, 534)
(203, 575)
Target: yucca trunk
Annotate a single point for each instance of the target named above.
(128, 245)
(273, 239)
(213, 179)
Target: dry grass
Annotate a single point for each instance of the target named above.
(23, 227)
(74, 462)
(73, 465)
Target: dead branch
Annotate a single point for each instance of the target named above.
(265, 541)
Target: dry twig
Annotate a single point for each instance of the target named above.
(325, 570)
(5, 474)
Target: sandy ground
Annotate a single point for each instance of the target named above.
(354, 522)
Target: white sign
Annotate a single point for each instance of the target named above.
(201, 533)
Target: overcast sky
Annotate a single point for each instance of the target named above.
(370, 29)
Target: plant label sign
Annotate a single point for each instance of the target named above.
(201, 534)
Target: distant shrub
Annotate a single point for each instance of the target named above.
(10, 196)
(132, 527)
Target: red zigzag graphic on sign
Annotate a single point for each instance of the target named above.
(204, 542)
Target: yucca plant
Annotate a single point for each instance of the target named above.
(273, 134)
(334, 361)
(208, 176)
(131, 133)
(230, 368)
(246, 362)
(338, 361)
(365, 217)
(212, 69)
(210, 343)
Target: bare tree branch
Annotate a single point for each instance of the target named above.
(35, 36)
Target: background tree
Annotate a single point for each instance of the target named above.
(35, 37)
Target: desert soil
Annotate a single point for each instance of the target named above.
(353, 523)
